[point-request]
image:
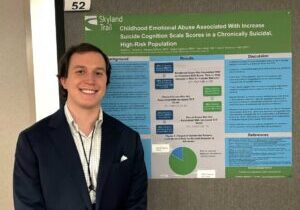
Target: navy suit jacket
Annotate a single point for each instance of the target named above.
(48, 172)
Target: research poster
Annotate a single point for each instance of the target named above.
(210, 94)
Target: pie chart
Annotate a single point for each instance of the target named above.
(182, 160)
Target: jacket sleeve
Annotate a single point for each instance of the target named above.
(137, 197)
(26, 180)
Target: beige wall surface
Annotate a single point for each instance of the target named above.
(16, 88)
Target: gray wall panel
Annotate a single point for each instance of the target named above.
(213, 194)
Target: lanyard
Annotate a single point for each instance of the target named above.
(91, 186)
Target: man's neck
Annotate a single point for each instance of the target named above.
(85, 118)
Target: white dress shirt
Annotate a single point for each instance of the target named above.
(95, 149)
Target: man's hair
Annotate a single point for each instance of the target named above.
(64, 62)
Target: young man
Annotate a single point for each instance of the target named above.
(79, 157)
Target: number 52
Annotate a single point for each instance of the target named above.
(78, 5)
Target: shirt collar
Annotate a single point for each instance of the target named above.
(74, 125)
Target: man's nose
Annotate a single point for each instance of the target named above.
(90, 77)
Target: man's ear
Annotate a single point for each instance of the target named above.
(63, 82)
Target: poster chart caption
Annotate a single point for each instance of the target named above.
(210, 94)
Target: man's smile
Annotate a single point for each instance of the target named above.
(88, 91)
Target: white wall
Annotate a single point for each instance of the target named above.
(44, 57)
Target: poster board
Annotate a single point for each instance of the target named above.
(212, 193)
(211, 94)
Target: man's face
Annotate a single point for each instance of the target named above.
(86, 80)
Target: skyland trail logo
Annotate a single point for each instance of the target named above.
(101, 22)
(90, 23)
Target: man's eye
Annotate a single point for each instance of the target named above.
(79, 72)
(99, 73)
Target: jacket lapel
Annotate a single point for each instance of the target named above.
(109, 134)
(64, 143)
